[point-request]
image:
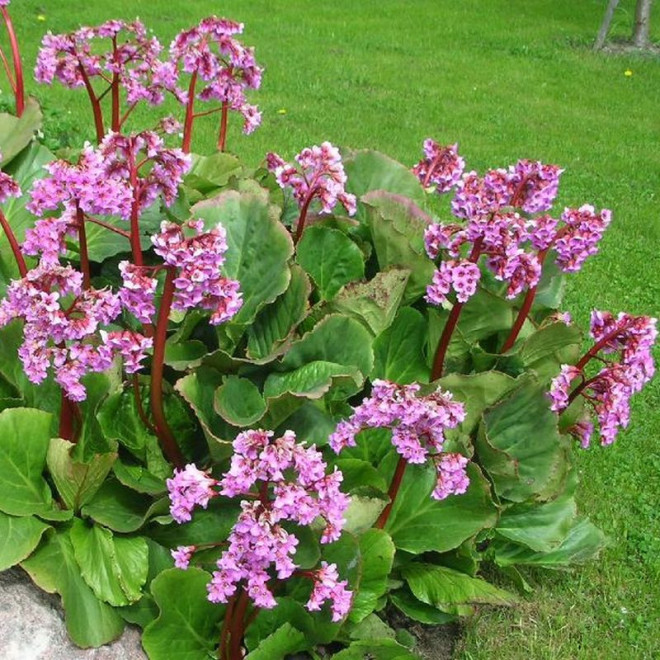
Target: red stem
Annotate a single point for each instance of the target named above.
(452, 321)
(593, 351)
(13, 243)
(222, 139)
(18, 68)
(579, 389)
(115, 122)
(7, 68)
(303, 215)
(238, 627)
(523, 313)
(429, 173)
(67, 416)
(84, 255)
(392, 492)
(190, 115)
(165, 435)
(223, 648)
(96, 105)
(140, 408)
(108, 226)
(136, 248)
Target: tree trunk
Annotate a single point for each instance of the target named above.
(605, 26)
(642, 23)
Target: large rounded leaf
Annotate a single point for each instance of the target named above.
(419, 523)
(25, 437)
(520, 447)
(397, 228)
(331, 258)
(187, 627)
(19, 536)
(53, 567)
(115, 568)
(258, 248)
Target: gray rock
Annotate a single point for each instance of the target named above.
(32, 627)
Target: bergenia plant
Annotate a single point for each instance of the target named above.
(256, 440)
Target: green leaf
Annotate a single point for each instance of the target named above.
(419, 523)
(334, 339)
(448, 589)
(372, 628)
(373, 303)
(397, 228)
(312, 380)
(239, 401)
(382, 649)
(207, 525)
(76, 482)
(198, 389)
(582, 544)
(18, 538)
(540, 527)
(520, 447)
(414, 609)
(138, 478)
(552, 346)
(208, 173)
(399, 350)
(477, 392)
(276, 322)
(119, 420)
(53, 568)
(258, 248)
(122, 509)
(377, 554)
(369, 170)
(277, 646)
(115, 568)
(331, 258)
(182, 355)
(25, 434)
(17, 132)
(363, 510)
(359, 474)
(187, 627)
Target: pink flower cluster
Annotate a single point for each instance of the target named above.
(418, 426)
(321, 175)
(287, 482)
(199, 259)
(514, 246)
(125, 156)
(328, 587)
(441, 167)
(137, 292)
(210, 52)
(85, 186)
(609, 391)
(189, 488)
(61, 321)
(76, 60)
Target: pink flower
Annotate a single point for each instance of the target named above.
(320, 176)
(442, 167)
(327, 587)
(182, 556)
(199, 259)
(418, 425)
(189, 488)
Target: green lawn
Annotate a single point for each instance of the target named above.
(506, 79)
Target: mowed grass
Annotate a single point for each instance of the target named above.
(506, 79)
